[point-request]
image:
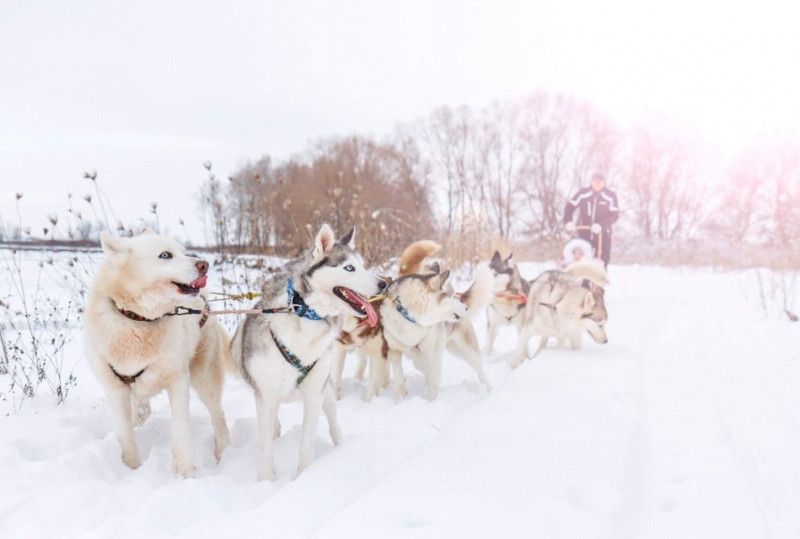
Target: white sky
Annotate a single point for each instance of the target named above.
(146, 91)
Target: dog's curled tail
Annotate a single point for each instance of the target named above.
(232, 359)
(415, 254)
(481, 293)
(591, 269)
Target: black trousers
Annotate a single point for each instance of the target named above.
(594, 239)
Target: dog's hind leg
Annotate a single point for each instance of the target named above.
(542, 346)
(313, 400)
(182, 451)
(267, 412)
(329, 407)
(339, 355)
(210, 392)
(472, 357)
(119, 402)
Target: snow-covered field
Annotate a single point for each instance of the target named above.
(687, 424)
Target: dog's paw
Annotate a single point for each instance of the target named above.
(514, 363)
(184, 470)
(306, 458)
(131, 459)
(220, 445)
(401, 390)
(336, 435)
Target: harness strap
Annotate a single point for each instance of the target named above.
(126, 378)
(402, 310)
(292, 359)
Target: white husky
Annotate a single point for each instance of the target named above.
(284, 353)
(137, 349)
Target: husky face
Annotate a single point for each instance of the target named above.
(429, 298)
(337, 279)
(502, 270)
(150, 269)
(594, 315)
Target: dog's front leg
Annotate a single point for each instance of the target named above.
(312, 406)
(377, 373)
(118, 398)
(339, 354)
(182, 451)
(520, 354)
(329, 406)
(267, 412)
(398, 376)
(491, 321)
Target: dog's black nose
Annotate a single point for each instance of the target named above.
(381, 285)
(202, 266)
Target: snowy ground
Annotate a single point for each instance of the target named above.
(687, 424)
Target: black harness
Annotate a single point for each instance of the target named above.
(292, 359)
(129, 379)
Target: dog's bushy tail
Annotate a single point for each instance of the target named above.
(591, 269)
(415, 254)
(480, 294)
(232, 359)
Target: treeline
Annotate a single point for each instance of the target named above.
(474, 179)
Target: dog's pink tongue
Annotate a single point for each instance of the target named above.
(199, 283)
(366, 306)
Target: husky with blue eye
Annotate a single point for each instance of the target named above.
(285, 354)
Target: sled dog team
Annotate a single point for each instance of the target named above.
(148, 328)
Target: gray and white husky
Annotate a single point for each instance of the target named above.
(286, 353)
(508, 305)
(558, 305)
(419, 318)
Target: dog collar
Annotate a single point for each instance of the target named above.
(298, 305)
(403, 311)
(131, 315)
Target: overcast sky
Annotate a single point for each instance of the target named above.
(145, 91)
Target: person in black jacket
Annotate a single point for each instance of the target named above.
(597, 211)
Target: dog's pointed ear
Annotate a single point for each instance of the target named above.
(349, 239)
(444, 276)
(509, 256)
(434, 268)
(437, 282)
(324, 241)
(496, 258)
(113, 245)
(589, 301)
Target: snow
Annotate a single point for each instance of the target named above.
(687, 424)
